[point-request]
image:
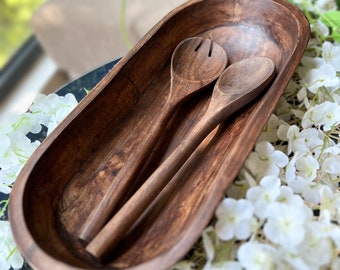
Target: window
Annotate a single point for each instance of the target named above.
(14, 25)
(17, 46)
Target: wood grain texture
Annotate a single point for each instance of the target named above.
(69, 173)
(195, 64)
(237, 86)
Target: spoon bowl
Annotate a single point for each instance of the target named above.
(198, 60)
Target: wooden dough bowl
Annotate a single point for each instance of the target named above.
(69, 172)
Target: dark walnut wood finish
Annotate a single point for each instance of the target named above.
(70, 172)
(238, 85)
(195, 64)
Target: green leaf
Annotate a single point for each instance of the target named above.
(86, 90)
(336, 35)
(332, 20)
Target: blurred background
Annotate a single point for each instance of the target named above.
(14, 28)
(46, 43)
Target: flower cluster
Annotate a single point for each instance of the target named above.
(283, 210)
(15, 149)
(9, 255)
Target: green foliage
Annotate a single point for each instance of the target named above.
(332, 20)
(14, 26)
(122, 25)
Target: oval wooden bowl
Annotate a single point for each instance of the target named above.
(69, 172)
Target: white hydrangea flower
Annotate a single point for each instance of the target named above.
(309, 63)
(324, 5)
(335, 263)
(239, 187)
(296, 142)
(5, 189)
(307, 188)
(9, 254)
(330, 201)
(283, 109)
(317, 248)
(323, 76)
(307, 167)
(234, 218)
(15, 152)
(283, 131)
(42, 108)
(288, 197)
(65, 108)
(208, 244)
(285, 224)
(265, 194)
(221, 262)
(265, 160)
(310, 191)
(25, 123)
(4, 146)
(269, 132)
(304, 141)
(5, 143)
(52, 109)
(256, 256)
(313, 139)
(22, 147)
(16, 148)
(331, 54)
(293, 260)
(321, 28)
(331, 166)
(326, 114)
(324, 227)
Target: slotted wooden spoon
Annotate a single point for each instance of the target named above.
(238, 85)
(195, 63)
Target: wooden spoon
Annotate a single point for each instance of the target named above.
(238, 85)
(195, 63)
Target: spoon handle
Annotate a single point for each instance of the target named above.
(180, 90)
(115, 230)
(118, 188)
(195, 63)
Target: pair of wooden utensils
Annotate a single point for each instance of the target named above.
(195, 63)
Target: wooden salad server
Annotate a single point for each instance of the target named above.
(239, 84)
(196, 62)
